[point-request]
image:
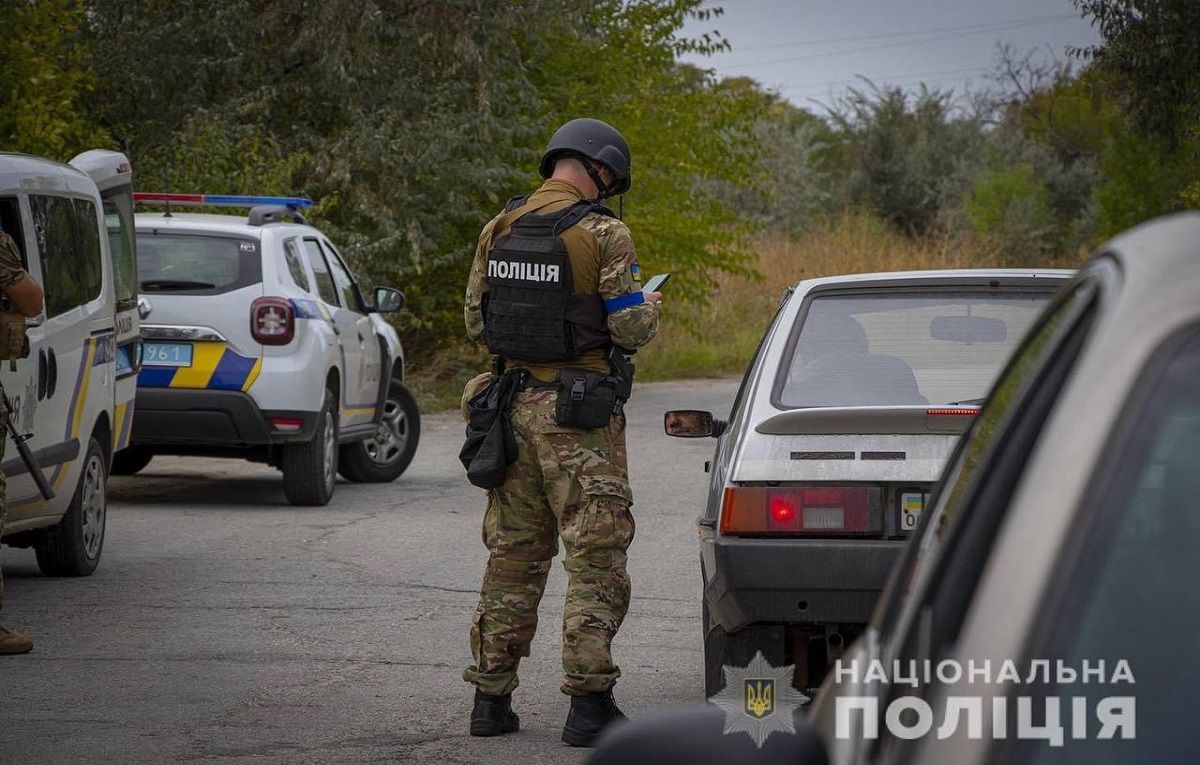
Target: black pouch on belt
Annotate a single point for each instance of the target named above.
(491, 446)
(585, 399)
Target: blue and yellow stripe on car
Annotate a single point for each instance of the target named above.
(215, 366)
(124, 418)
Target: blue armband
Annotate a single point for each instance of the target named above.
(612, 305)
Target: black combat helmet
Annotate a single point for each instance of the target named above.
(595, 140)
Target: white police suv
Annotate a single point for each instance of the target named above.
(258, 344)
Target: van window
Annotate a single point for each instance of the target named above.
(320, 270)
(118, 219)
(295, 266)
(10, 223)
(196, 264)
(68, 240)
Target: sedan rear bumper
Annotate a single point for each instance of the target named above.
(797, 581)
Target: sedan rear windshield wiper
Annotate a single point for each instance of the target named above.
(967, 402)
(154, 285)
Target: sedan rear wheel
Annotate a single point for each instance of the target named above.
(736, 649)
(130, 460)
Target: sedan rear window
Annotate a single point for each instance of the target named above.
(196, 264)
(903, 347)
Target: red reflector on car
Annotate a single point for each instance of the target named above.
(782, 511)
(289, 424)
(801, 510)
(952, 412)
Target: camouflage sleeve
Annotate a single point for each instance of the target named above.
(477, 285)
(632, 321)
(11, 271)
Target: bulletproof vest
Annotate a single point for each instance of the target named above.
(530, 311)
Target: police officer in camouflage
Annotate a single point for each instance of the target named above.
(554, 286)
(21, 297)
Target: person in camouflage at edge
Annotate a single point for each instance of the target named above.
(23, 294)
(567, 482)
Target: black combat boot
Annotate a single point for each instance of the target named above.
(493, 715)
(590, 715)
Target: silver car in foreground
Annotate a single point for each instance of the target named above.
(1062, 541)
(847, 415)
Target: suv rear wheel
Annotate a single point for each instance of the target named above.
(310, 469)
(72, 548)
(387, 454)
(130, 460)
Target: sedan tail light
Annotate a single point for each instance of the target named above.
(815, 510)
(272, 321)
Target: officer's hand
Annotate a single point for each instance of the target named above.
(652, 297)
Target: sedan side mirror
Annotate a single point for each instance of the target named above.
(695, 736)
(692, 423)
(388, 300)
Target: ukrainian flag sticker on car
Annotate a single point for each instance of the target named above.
(912, 503)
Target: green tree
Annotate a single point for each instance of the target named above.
(1153, 48)
(1010, 203)
(691, 136)
(43, 80)
(411, 122)
(905, 152)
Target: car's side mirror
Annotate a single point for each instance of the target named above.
(388, 300)
(692, 423)
(695, 736)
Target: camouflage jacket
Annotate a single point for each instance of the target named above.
(617, 269)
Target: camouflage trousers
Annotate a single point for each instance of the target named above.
(568, 483)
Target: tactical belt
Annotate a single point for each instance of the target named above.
(532, 383)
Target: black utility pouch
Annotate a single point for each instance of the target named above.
(491, 446)
(585, 399)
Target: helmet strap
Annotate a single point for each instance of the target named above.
(602, 188)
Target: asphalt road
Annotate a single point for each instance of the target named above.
(226, 626)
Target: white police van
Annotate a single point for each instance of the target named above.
(70, 393)
(259, 344)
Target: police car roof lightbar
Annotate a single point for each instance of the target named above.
(217, 200)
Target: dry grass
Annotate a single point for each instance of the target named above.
(718, 339)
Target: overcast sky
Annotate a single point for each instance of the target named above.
(814, 49)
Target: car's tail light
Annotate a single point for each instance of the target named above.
(802, 510)
(287, 424)
(272, 321)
